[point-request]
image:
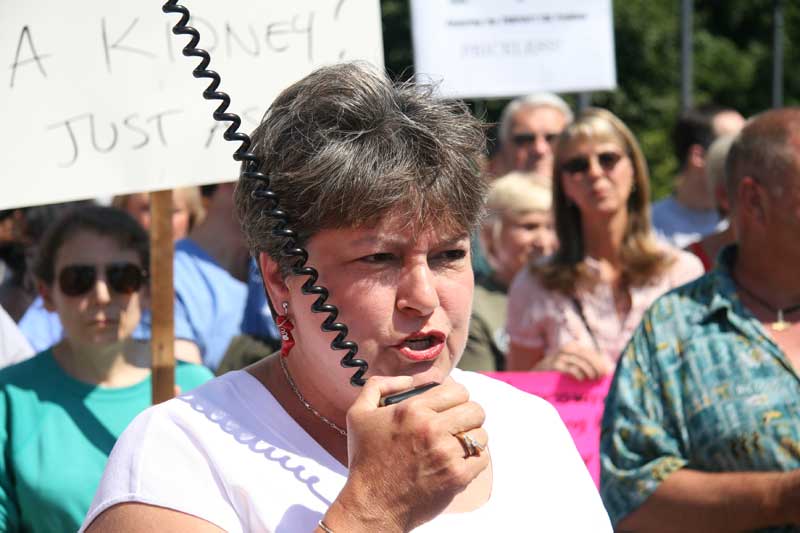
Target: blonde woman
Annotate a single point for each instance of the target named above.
(187, 209)
(518, 228)
(576, 311)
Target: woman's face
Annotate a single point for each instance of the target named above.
(406, 303)
(596, 176)
(101, 315)
(138, 205)
(522, 237)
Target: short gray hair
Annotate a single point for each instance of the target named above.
(531, 101)
(344, 147)
(764, 151)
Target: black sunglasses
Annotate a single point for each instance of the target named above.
(123, 278)
(523, 139)
(607, 160)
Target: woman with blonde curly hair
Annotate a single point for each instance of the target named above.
(576, 311)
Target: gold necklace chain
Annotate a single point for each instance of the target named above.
(305, 403)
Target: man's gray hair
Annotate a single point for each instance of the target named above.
(531, 101)
(765, 150)
(344, 147)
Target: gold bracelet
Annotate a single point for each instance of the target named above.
(323, 527)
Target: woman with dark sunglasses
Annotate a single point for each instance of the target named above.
(576, 311)
(62, 411)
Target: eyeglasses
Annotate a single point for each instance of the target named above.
(123, 278)
(607, 160)
(523, 139)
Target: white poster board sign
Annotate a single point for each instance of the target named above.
(504, 48)
(98, 100)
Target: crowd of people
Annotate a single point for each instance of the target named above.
(442, 263)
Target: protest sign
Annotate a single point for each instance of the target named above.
(98, 99)
(580, 404)
(477, 48)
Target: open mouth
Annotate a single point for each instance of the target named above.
(422, 346)
(419, 344)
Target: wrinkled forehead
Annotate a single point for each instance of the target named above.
(539, 118)
(388, 235)
(411, 206)
(414, 222)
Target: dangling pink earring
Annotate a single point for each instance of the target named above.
(285, 328)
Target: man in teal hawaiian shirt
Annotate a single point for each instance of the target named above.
(702, 424)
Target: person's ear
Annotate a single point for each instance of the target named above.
(274, 282)
(697, 156)
(46, 292)
(751, 200)
(721, 198)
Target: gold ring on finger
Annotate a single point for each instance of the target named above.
(472, 447)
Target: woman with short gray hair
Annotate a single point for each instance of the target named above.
(380, 184)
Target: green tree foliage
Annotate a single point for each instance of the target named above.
(732, 65)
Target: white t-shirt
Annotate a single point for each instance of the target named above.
(228, 453)
(680, 226)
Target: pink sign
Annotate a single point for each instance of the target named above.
(580, 404)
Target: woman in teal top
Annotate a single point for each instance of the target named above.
(62, 410)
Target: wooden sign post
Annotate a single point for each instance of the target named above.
(162, 296)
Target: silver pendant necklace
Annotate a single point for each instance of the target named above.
(305, 403)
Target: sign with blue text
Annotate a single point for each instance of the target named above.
(98, 99)
(506, 48)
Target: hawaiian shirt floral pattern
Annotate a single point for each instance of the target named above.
(700, 385)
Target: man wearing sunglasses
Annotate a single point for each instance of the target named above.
(529, 126)
(528, 129)
(701, 429)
